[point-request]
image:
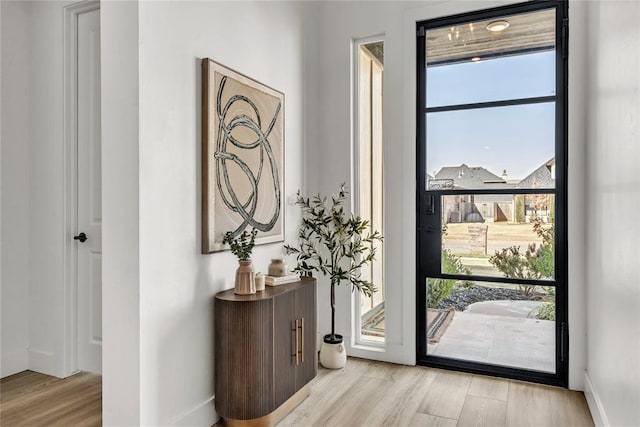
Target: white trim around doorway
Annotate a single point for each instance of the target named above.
(70, 171)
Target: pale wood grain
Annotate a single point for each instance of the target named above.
(356, 403)
(569, 408)
(482, 411)
(33, 399)
(402, 399)
(446, 394)
(20, 384)
(431, 421)
(327, 389)
(528, 405)
(367, 393)
(364, 393)
(528, 30)
(493, 388)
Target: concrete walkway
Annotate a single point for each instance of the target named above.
(499, 333)
(507, 308)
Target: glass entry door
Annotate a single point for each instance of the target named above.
(491, 192)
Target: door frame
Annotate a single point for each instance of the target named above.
(560, 377)
(70, 170)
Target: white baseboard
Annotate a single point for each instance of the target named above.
(595, 404)
(203, 414)
(13, 362)
(43, 362)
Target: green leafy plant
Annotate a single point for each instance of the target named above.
(535, 263)
(335, 244)
(543, 261)
(547, 310)
(440, 289)
(241, 246)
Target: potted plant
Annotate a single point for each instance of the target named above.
(337, 245)
(241, 246)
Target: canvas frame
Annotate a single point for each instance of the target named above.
(225, 172)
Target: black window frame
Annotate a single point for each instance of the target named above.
(428, 201)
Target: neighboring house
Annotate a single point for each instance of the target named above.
(491, 207)
(543, 177)
(473, 208)
(539, 205)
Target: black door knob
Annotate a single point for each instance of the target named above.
(82, 237)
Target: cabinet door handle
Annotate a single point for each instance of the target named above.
(301, 340)
(295, 331)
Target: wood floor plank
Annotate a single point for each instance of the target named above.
(528, 405)
(493, 388)
(24, 383)
(446, 395)
(411, 390)
(481, 411)
(400, 403)
(33, 399)
(569, 408)
(356, 403)
(427, 420)
(364, 393)
(327, 389)
(381, 370)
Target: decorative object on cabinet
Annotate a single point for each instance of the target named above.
(259, 282)
(242, 157)
(265, 352)
(337, 245)
(278, 267)
(242, 246)
(281, 280)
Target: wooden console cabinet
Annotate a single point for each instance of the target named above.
(265, 352)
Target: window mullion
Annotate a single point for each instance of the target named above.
(492, 104)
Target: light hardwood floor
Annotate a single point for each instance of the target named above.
(367, 393)
(33, 399)
(364, 393)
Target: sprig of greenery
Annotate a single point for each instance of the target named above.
(334, 243)
(242, 245)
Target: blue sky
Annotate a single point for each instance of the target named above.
(517, 138)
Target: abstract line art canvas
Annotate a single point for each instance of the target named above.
(242, 157)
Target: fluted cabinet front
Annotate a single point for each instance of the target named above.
(243, 331)
(265, 348)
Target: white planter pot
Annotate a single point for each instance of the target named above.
(333, 356)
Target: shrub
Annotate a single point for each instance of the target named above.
(536, 262)
(547, 311)
(440, 289)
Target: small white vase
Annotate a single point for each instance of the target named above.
(333, 356)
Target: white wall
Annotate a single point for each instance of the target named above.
(121, 215)
(14, 192)
(177, 283)
(46, 188)
(613, 154)
(33, 181)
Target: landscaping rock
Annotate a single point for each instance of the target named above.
(461, 298)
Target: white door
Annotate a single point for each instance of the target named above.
(89, 196)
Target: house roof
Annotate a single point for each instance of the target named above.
(475, 177)
(543, 177)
